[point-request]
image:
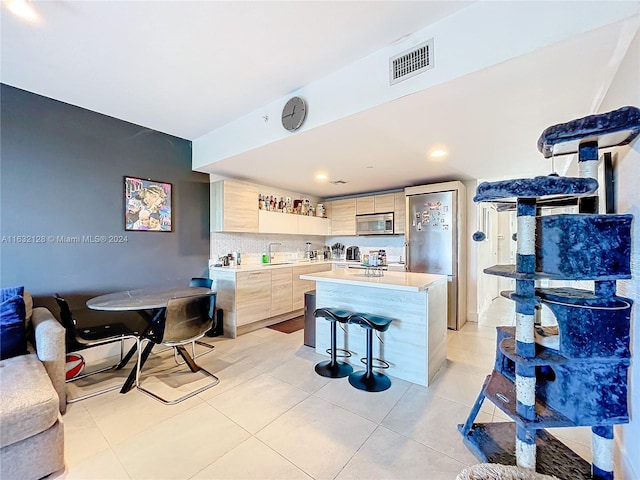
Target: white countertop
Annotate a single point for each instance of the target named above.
(407, 281)
(254, 267)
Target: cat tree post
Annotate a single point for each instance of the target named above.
(525, 320)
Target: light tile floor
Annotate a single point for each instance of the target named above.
(272, 417)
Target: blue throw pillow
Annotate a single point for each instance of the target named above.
(7, 292)
(13, 339)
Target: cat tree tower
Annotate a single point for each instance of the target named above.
(574, 374)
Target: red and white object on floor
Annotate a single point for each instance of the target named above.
(75, 365)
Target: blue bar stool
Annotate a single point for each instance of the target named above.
(369, 380)
(333, 368)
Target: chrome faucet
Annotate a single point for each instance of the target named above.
(269, 250)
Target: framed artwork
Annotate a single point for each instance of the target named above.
(147, 205)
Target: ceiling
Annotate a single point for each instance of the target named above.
(187, 68)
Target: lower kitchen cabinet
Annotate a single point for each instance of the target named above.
(300, 287)
(260, 297)
(281, 291)
(253, 296)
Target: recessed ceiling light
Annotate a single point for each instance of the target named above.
(23, 9)
(322, 176)
(439, 153)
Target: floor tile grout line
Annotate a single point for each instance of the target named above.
(111, 446)
(285, 458)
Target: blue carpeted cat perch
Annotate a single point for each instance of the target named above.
(574, 374)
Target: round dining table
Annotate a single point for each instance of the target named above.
(143, 299)
(150, 304)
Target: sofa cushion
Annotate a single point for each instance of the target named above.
(13, 338)
(29, 403)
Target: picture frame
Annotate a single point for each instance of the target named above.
(147, 205)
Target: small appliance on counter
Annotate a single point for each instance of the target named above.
(353, 253)
(338, 251)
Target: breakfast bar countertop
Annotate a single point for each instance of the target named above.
(407, 281)
(256, 267)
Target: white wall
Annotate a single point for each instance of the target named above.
(625, 90)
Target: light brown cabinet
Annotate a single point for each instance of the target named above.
(300, 287)
(342, 212)
(262, 296)
(399, 213)
(253, 296)
(384, 203)
(234, 206)
(281, 291)
(365, 205)
(343, 217)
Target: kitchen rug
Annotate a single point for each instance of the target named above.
(289, 326)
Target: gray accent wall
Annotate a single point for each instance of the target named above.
(62, 175)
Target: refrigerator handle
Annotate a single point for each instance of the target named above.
(405, 251)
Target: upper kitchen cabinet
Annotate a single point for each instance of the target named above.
(383, 203)
(276, 222)
(399, 212)
(286, 223)
(343, 217)
(234, 206)
(313, 225)
(365, 205)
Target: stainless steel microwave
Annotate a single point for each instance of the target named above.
(374, 224)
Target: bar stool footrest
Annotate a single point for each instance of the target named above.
(376, 363)
(340, 352)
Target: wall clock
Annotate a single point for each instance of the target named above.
(294, 113)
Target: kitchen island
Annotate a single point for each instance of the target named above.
(415, 346)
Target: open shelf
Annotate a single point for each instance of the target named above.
(502, 391)
(544, 355)
(509, 271)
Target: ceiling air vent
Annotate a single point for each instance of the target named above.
(411, 62)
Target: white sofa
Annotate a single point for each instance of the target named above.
(32, 401)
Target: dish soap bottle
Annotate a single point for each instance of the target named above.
(265, 257)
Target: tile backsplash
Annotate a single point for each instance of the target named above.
(252, 245)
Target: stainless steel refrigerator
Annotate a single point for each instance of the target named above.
(435, 240)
